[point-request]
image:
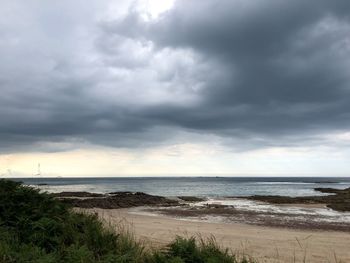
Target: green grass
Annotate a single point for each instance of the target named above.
(35, 227)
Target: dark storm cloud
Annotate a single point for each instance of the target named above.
(285, 63)
(240, 70)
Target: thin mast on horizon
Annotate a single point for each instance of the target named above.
(39, 171)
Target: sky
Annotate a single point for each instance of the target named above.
(175, 87)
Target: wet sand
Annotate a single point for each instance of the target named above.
(265, 244)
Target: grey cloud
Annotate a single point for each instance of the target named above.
(284, 63)
(236, 69)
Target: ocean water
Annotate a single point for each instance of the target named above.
(193, 186)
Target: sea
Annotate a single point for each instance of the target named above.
(192, 186)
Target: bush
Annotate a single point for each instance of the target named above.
(189, 251)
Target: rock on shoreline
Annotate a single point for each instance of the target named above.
(113, 200)
(339, 199)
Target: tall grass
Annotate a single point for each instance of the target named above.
(35, 227)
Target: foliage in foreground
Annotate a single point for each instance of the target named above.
(35, 227)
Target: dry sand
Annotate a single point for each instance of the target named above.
(265, 244)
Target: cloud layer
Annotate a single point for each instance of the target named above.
(249, 74)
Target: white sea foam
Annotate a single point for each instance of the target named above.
(278, 183)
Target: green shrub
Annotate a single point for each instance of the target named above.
(189, 251)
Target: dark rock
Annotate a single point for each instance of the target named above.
(339, 200)
(121, 200)
(191, 198)
(77, 194)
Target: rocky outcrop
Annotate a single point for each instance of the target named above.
(115, 200)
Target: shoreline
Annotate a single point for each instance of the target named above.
(266, 244)
(268, 211)
(218, 214)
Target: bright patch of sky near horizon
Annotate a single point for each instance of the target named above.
(184, 160)
(174, 88)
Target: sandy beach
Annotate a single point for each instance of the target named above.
(265, 244)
